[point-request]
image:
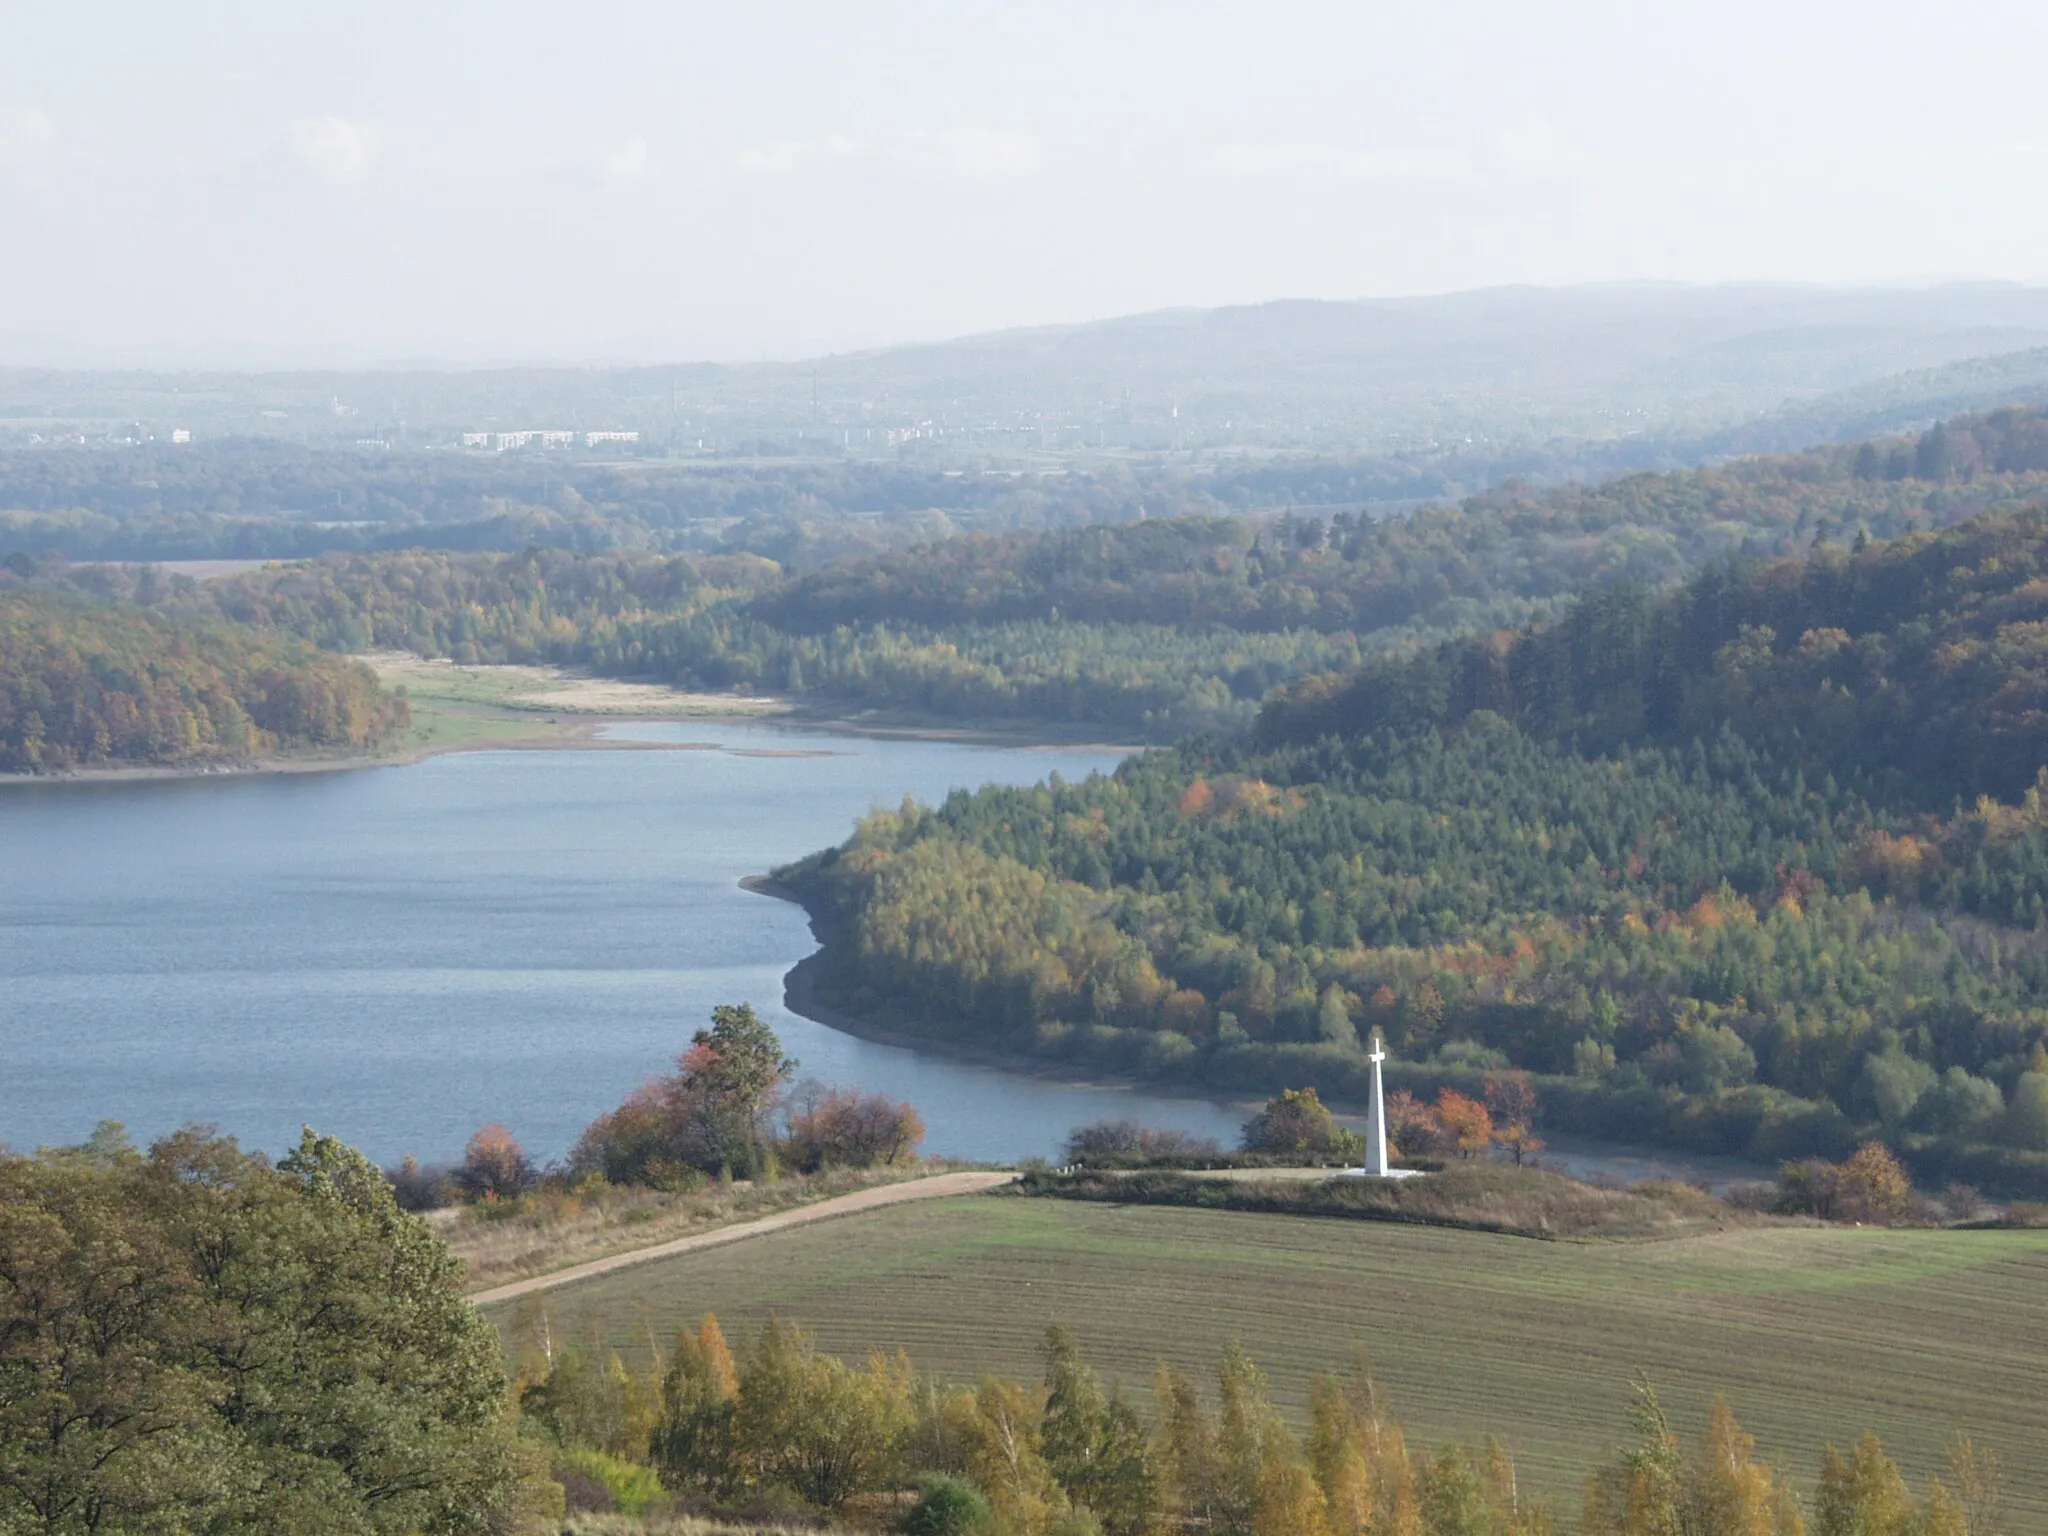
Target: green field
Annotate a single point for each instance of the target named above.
(1812, 1334)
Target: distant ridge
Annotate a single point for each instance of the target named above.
(1675, 366)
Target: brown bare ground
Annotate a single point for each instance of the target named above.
(544, 688)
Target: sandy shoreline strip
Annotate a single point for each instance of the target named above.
(579, 736)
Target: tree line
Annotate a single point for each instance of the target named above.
(1442, 568)
(702, 1426)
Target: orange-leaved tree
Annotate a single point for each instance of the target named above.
(494, 1165)
(1467, 1121)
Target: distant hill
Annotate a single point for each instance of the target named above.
(1505, 366)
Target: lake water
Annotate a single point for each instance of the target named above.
(398, 955)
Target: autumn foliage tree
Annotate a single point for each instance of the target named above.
(1467, 1122)
(1872, 1186)
(845, 1128)
(494, 1165)
(1510, 1099)
(1296, 1123)
(1657, 1486)
(711, 1114)
(1063, 1456)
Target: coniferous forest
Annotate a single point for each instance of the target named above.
(1757, 865)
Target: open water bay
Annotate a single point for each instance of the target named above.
(398, 955)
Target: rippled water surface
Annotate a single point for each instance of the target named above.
(399, 955)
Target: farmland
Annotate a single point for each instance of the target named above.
(1812, 1334)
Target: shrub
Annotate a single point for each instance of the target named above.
(946, 1506)
(419, 1189)
(1961, 1202)
(494, 1165)
(1295, 1123)
(850, 1129)
(2027, 1213)
(1126, 1143)
(1871, 1187)
(631, 1489)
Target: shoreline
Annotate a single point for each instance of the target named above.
(579, 736)
(578, 733)
(1585, 1157)
(800, 997)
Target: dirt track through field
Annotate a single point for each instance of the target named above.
(933, 1188)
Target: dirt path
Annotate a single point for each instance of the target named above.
(933, 1188)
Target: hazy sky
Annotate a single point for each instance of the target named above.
(362, 181)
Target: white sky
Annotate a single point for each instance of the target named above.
(351, 182)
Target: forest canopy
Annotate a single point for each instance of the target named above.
(1152, 627)
(1761, 921)
(84, 683)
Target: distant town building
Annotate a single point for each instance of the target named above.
(545, 437)
(181, 435)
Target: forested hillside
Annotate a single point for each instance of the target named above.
(1483, 562)
(1769, 943)
(688, 619)
(1917, 669)
(85, 683)
(1150, 628)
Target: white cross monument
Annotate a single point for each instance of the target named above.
(1376, 1166)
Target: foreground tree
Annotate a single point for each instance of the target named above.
(1095, 1445)
(194, 1340)
(1654, 1488)
(695, 1446)
(815, 1424)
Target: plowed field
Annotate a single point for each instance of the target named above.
(1811, 1334)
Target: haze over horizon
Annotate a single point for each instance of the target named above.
(241, 186)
